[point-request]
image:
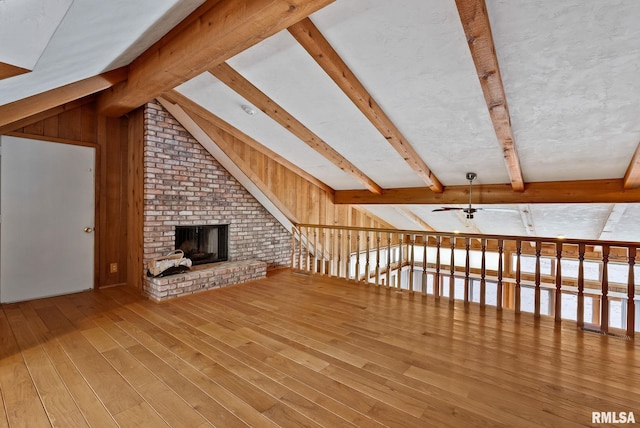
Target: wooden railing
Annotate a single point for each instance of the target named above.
(590, 282)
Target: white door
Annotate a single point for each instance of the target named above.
(46, 218)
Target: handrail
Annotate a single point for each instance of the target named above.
(445, 264)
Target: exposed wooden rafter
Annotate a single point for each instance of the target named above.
(187, 104)
(632, 175)
(615, 214)
(26, 107)
(469, 225)
(527, 219)
(223, 29)
(416, 219)
(8, 70)
(549, 192)
(310, 38)
(475, 21)
(246, 89)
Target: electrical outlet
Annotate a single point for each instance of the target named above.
(113, 268)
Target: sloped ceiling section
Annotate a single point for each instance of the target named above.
(391, 104)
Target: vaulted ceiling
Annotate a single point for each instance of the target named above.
(388, 104)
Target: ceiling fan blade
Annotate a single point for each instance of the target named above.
(448, 209)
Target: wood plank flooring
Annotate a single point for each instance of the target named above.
(294, 350)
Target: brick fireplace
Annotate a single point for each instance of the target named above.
(185, 186)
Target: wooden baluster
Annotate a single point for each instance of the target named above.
(347, 270)
(293, 247)
(314, 269)
(452, 267)
(389, 261)
(324, 253)
(299, 253)
(358, 256)
(467, 248)
(483, 273)
(499, 291)
(558, 297)
(332, 247)
(412, 242)
(517, 297)
(604, 305)
(367, 265)
(400, 256)
(424, 265)
(437, 280)
(339, 263)
(536, 311)
(377, 258)
(307, 252)
(580, 314)
(631, 308)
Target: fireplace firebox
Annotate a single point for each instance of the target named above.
(203, 243)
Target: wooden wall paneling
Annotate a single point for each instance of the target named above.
(111, 212)
(272, 173)
(135, 199)
(70, 125)
(89, 123)
(281, 185)
(290, 189)
(40, 117)
(34, 129)
(100, 229)
(50, 127)
(322, 206)
(257, 163)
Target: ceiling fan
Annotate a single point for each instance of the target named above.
(470, 210)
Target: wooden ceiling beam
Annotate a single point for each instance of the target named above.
(223, 29)
(416, 219)
(616, 212)
(553, 192)
(8, 70)
(26, 107)
(192, 107)
(477, 28)
(527, 219)
(310, 38)
(248, 91)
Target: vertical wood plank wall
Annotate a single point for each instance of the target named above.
(79, 124)
(135, 197)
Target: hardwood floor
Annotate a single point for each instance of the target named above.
(292, 350)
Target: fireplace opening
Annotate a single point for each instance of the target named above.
(203, 244)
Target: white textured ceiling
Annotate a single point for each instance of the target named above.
(94, 36)
(570, 69)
